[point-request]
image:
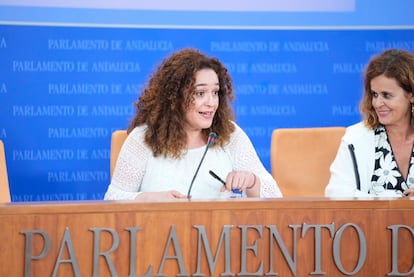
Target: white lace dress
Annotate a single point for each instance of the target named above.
(137, 170)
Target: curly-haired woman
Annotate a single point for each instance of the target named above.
(187, 100)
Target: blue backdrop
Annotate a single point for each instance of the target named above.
(64, 88)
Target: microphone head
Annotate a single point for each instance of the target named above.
(211, 138)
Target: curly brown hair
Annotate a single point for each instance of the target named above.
(392, 63)
(170, 92)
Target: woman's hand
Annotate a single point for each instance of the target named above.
(244, 181)
(409, 192)
(160, 196)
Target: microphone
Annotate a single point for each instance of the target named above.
(211, 139)
(354, 163)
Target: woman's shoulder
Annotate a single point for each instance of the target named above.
(238, 131)
(358, 127)
(238, 136)
(357, 131)
(138, 131)
(137, 135)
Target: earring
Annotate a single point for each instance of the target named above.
(412, 108)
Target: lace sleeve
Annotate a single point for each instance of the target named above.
(245, 158)
(130, 167)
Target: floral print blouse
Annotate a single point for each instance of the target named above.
(387, 175)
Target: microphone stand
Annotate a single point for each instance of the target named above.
(211, 138)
